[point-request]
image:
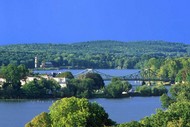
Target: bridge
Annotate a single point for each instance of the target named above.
(141, 75)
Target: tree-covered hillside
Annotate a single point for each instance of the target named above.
(93, 54)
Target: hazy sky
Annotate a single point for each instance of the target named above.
(28, 21)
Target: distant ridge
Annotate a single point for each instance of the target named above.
(102, 46)
(93, 41)
(92, 54)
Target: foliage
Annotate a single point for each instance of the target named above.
(144, 90)
(157, 90)
(170, 68)
(98, 116)
(93, 54)
(183, 75)
(41, 120)
(13, 74)
(41, 89)
(70, 112)
(116, 87)
(131, 124)
(177, 114)
(66, 74)
(80, 87)
(179, 92)
(98, 81)
(75, 112)
(166, 100)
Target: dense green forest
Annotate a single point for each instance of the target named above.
(93, 54)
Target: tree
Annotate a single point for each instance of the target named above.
(98, 81)
(116, 87)
(23, 71)
(41, 120)
(41, 89)
(183, 75)
(131, 124)
(80, 87)
(98, 116)
(66, 74)
(13, 74)
(144, 90)
(180, 111)
(159, 90)
(177, 115)
(70, 112)
(75, 112)
(166, 100)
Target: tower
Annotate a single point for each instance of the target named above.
(36, 62)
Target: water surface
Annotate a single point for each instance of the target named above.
(18, 113)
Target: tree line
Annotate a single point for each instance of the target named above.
(86, 86)
(89, 85)
(173, 68)
(93, 54)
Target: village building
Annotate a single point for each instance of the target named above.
(61, 80)
(46, 65)
(2, 80)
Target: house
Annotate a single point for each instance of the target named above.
(62, 81)
(46, 65)
(2, 80)
(28, 79)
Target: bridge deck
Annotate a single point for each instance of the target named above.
(143, 75)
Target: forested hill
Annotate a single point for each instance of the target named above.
(92, 54)
(135, 48)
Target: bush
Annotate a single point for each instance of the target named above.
(144, 90)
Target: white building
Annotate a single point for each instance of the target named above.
(2, 80)
(61, 81)
(28, 79)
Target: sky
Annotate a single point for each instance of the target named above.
(67, 21)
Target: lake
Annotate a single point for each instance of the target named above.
(16, 113)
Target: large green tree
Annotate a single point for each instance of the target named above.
(13, 74)
(80, 87)
(116, 87)
(73, 112)
(98, 81)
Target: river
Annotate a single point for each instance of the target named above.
(15, 113)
